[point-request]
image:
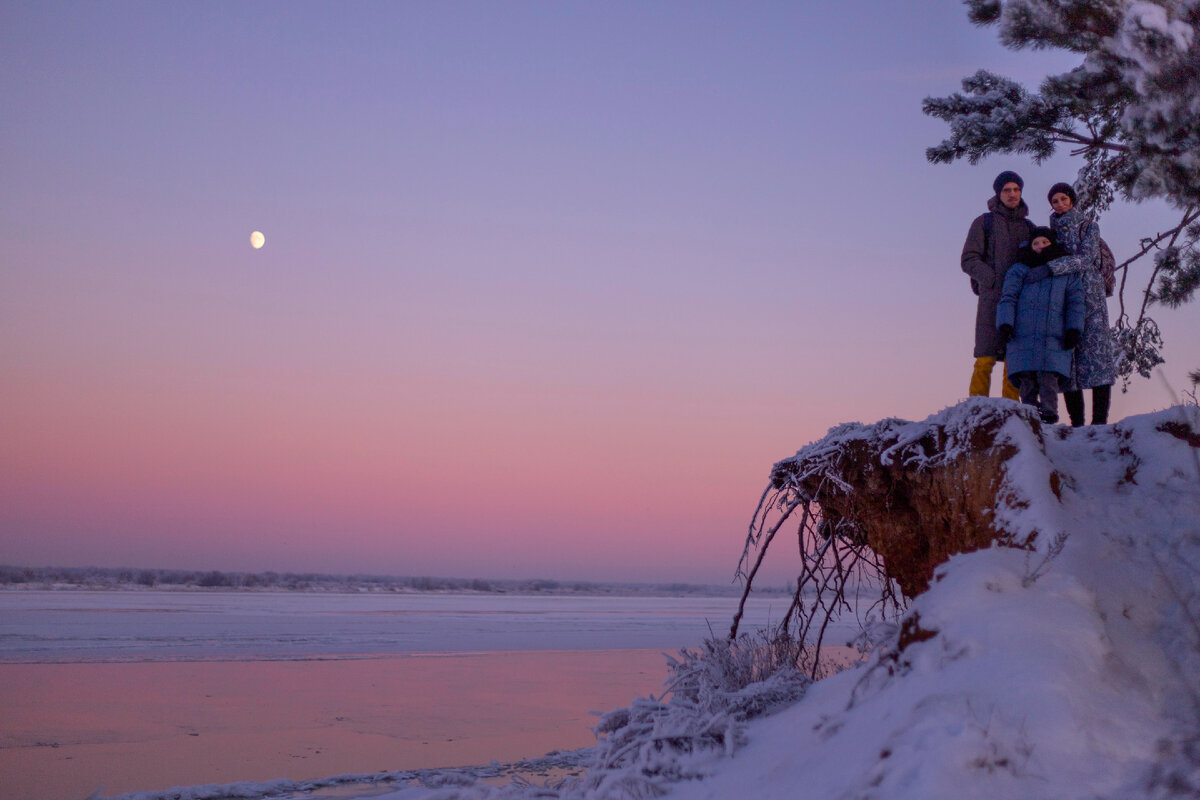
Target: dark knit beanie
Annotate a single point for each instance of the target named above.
(1005, 178)
(1042, 231)
(1066, 189)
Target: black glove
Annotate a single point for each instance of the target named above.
(1036, 274)
(1006, 332)
(1071, 338)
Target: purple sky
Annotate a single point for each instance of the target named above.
(547, 287)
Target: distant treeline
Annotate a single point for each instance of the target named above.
(124, 578)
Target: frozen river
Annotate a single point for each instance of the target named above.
(119, 691)
(83, 626)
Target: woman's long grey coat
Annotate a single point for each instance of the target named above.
(1094, 362)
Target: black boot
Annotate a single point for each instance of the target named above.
(1101, 397)
(1074, 401)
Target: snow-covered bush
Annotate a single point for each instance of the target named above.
(714, 692)
(730, 674)
(1138, 348)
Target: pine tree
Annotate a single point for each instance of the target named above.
(1130, 111)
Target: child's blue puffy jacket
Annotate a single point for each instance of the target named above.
(1040, 314)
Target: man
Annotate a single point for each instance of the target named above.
(990, 249)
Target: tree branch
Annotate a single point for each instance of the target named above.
(1189, 215)
(762, 552)
(1064, 136)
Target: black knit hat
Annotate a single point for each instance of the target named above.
(1064, 188)
(1042, 231)
(1005, 178)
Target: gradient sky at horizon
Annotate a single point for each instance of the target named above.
(547, 287)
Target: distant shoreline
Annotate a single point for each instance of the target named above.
(18, 578)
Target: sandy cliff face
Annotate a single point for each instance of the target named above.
(915, 503)
(918, 493)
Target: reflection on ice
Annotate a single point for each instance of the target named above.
(71, 728)
(145, 690)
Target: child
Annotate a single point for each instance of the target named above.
(1041, 323)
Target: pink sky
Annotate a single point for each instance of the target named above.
(546, 290)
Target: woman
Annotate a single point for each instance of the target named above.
(1094, 367)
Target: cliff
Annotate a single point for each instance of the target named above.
(983, 472)
(1052, 645)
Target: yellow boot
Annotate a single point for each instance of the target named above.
(981, 380)
(1007, 389)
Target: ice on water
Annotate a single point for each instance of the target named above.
(76, 626)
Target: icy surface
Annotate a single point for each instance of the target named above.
(46, 626)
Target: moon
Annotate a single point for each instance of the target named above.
(257, 240)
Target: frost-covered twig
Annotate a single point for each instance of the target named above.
(835, 564)
(1190, 215)
(1033, 572)
(762, 552)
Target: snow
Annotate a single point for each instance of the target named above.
(1056, 673)
(1154, 18)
